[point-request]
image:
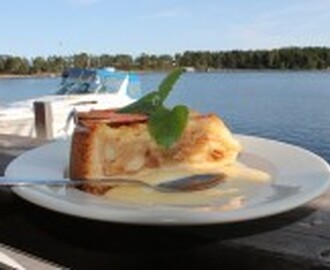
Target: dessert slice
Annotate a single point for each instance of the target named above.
(107, 144)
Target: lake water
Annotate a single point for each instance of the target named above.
(288, 106)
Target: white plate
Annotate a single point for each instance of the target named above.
(298, 176)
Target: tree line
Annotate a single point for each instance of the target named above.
(295, 58)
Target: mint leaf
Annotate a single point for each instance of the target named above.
(166, 126)
(152, 101)
(147, 104)
(167, 84)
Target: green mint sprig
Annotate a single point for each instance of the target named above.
(164, 125)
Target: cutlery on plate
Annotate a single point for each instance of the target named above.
(184, 184)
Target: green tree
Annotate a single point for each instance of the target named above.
(57, 64)
(123, 61)
(81, 60)
(2, 64)
(17, 65)
(143, 61)
(106, 60)
(39, 65)
(165, 62)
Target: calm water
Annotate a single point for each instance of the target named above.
(288, 106)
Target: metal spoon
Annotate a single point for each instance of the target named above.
(184, 184)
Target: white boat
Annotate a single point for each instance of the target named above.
(80, 90)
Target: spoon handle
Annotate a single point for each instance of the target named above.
(184, 184)
(20, 182)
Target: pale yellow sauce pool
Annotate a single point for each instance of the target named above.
(240, 182)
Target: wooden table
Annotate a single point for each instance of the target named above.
(299, 239)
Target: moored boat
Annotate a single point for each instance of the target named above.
(80, 90)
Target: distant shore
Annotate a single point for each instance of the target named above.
(56, 75)
(24, 76)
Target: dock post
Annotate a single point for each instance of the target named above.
(43, 120)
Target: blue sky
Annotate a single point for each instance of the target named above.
(65, 27)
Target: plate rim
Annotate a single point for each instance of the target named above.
(41, 199)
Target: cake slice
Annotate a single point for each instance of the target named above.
(108, 144)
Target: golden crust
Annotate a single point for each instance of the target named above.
(82, 157)
(102, 151)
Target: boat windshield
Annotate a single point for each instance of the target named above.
(134, 86)
(75, 88)
(88, 81)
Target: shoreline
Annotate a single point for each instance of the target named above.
(26, 76)
(55, 75)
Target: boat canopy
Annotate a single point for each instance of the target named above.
(97, 81)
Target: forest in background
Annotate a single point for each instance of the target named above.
(291, 58)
